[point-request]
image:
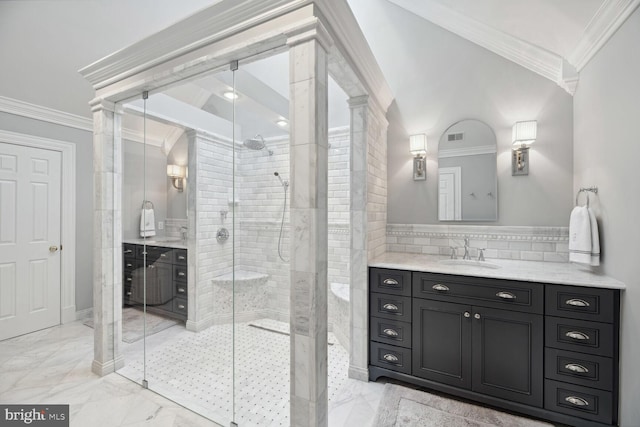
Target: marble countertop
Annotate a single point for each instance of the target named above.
(529, 271)
(165, 242)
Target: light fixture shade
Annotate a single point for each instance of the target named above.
(524, 132)
(175, 171)
(418, 144)
(230, 95)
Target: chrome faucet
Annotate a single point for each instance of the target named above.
(466, 249)
(183, 232)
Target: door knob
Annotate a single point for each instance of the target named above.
(53, 249)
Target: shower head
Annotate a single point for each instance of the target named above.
(255, 143)
(284, 183)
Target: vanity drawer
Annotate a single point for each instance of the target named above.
(180, 256)
(396, 282)
(390, 332)
(180, 290)
(494, 293)
(579, 335)
(583, 402)
(180, 306)
(390, 307)
(180, 273)
(577, 302)
(579, 368)
(129, 250)
(390, 357)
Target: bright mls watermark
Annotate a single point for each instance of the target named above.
(34, 415)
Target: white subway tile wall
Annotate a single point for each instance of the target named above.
(500, 242)
(257, 209)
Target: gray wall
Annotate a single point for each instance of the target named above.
(478, 178)
(84, 193)
(176, 200)
(607, 149)
(455, 80)
(134, 189)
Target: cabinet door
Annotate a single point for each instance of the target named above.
(508, 355)
(442, 342)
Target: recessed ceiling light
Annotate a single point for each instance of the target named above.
(282, 123)
(230, 95)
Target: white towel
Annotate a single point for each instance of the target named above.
(584, 242)
(147, 223)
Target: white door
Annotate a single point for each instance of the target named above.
(29, 239)
(449, 194)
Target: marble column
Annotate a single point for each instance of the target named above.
(359, 324)
(107, 247)
(309, 228)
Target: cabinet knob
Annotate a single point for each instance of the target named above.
(390, 282)
(390, 307)
(578, 401)
(129, 293)
(181, 306)
(129, 279)
(477, 316)
(575, 367)
(181, 290)
(181, 273)
(390, 332)
(467, 314)
(390, 357)
(577, 335)
(440, 288)
(181, 258)
(163, 255)
(576, 302)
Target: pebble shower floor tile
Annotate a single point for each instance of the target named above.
(195, 370)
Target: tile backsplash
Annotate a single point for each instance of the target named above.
(549, 244)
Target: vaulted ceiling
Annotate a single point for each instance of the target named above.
(45, 42)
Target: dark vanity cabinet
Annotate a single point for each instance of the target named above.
(511, 344)
(165, 271)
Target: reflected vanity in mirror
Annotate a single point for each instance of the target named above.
(467, 177)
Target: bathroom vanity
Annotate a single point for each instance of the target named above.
(546, 346)
(165, 271)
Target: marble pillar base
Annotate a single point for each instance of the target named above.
(106, 368)
(358, 373)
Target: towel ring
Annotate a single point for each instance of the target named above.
(146, 202)
(578, 196)
(587, 191)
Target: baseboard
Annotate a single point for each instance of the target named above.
(68, 314)
(83, 314)
(357, 373)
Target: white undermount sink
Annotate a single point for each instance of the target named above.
(469, 263)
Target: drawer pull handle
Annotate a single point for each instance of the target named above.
(129, 265)
(390, 357)
(390, 332)
(390, 307)
(181, 273)
(505, 295)
(128, 251)
(576, 302)
(578, 401)
(129, 279)
(163, 255)
(574, 367)
(128, 293)
(181, 306)
(390, 282)
(181, 258)
(577, 335)
(440, 288)
(152, 266)
(181, 290)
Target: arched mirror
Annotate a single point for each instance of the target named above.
(467, 178)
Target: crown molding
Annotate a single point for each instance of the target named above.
(62, 118)
(611, 15)
(530, 56)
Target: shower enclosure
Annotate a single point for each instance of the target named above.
(232, 104)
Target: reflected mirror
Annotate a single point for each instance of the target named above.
(467, 178)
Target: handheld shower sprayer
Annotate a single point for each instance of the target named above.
(284, 182)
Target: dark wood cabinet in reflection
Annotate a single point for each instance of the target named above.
(165, 273)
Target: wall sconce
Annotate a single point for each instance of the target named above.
(523, 135)
(418, 148)
(177, 175)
